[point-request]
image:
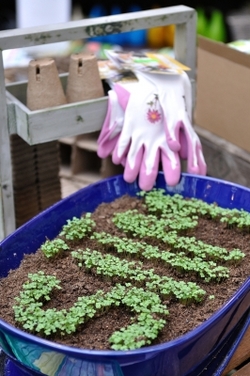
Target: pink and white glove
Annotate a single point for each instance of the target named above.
(148, 122)
(112, 126)
(175, 96)
(114, 119)
(142, 141)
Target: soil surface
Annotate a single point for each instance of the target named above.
(77, 282)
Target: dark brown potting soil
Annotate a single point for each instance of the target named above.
(77, 282)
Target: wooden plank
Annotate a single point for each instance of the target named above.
(241, 354)
(67, 140)
(244, 371)
(7, 211)
(86, 28)
(87, 144)
(62, 121)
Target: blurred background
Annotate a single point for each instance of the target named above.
(78, 164)
(224, 18)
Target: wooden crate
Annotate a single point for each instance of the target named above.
(79, 160)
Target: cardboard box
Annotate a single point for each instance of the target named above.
(223, 92)
(224, 160)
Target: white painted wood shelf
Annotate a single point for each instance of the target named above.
(71, 120)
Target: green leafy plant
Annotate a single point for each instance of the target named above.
(78, 228)
(51, 248)
(112, 266)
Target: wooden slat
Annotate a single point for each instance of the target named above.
(244, 371)
(67, 140)
(87, 144)
(62, 121)
(241, 355)
(86, 28)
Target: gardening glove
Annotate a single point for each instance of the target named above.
(175, 96)
(112, 126)
(114, 119)
(142, 142)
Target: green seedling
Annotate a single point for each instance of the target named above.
(166, 219)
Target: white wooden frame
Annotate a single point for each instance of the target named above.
(46, 125)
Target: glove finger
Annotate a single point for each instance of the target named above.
(106, 123)
(184, 147)
(191, 148)
(131, 170)
(106, 147)
(114, 118)
(121, 148)
(192, 158)
(201, 161)
(172, 137)
(124, 158)
(195, 160)
(147, 177)
(171, 167)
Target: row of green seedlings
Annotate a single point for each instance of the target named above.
(149, 312)
(145, 304)
(109, 266)
(160, 203)
(132, 271)
(145, 328)
(74, 229)
(141, 225)
(77, 228)
(176, 214)
(207, 270)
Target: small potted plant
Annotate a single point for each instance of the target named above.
(204, 350)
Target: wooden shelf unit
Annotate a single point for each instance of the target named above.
(52, 124)
(79, 159)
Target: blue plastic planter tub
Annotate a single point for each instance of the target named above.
(204, 351)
